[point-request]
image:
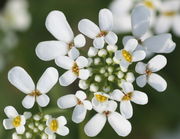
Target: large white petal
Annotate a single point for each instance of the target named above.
(157, 63)
(88, 28)
(43, 100)
(82, 62)
(162, 43)
(67, 78)
(141, 80)
(58, 26)
(73, 53)
(49, 50)
(111, 38)
(10, 112)
(138, 55)
(119, 124)
(79, 41)
(139, 98)
(126, 109)
(95, 125)
(63, 131)
(105, 20)
(84, 74)
(28, 102)
(47, 80)
(127, 87)
(131, 45)
(7, 123)
(111, 106)
(18, 77)
(20, 129)
(98, 42)
(157, 82)
(140, 20)
(67, 101)
(64, 62)
(79, 114)
(140, 68)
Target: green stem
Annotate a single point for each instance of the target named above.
(81, 132)
(40, 110)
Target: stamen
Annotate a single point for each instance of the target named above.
(169, 13)
(54, 125)
(101, 98)
(75, 69)
(79, 102)
(127, 96)
(148, 72)
(106, 113)
(35, 93)
(149, 4)
(71, 45)
(16, 121)
(101, 34)
(127, 55)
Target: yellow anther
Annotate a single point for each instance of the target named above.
(16, 121)
(127, 96)
(54, 125)
(75, 69)
(127, 55)
(35, 93)
(169, 13)
(149, 4)
(101, 98)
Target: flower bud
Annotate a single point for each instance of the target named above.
(111, 78)
(130, 77)
(112, 48)
(92, 52)
(110, 69)
(120, 74)
(102, 53)
(28, 135)
(36, 117)
(109, 61)
(94, 88)
(97, 78)
(83, 84)
(16, 136)
(97, 61)
(102, 70)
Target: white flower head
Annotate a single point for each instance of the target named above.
(76, 69)
(100, 34)
(100, 98)
(125, 97)
(18, 77)
(66, 43)
(79, 102)
(56, 125)
(129, 54)
(148, 74)
(14, 120)
(121, 126)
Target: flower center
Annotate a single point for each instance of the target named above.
(101, 98)
(54, 125)
(127, 55)
(79, 102)
(16, 121)
(101, 34)
(149, 4)
(70, 45)
(35, 93)
(75, 68)
(169, 13)
(106, 113)
(127, 96)
(148, 72)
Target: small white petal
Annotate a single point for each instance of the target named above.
(79, 41)
(95, 125)
(27, 115)
(87, 104)
(47, 80)
(48, 131)
(139, 98)
(127, 87)
(20, 129)
(28, 101)
(81, 95)
(98, 42)
(67, 78)
(64, 62)
(82, 62)
(23, 120)
(126, 39)
(10, 112)
(92, 52)
(88, 28)
(140, 68)
(138, 55)
(63, 131)
(126, 109)
(43, 100)
(111, 38)
(58, 26)
(67, 101)
(50, 50)
(73, 53)
(18, 77)
(7, 123)
(141, 80)
(117, 95)
(131, 45)
(111, 106)
(62, 120)
(84, 74)
(119, 124)
(157, 63)
(79, 114)
(157, 82)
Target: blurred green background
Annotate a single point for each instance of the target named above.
(160, 116)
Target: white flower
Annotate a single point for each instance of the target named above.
(129, 54)
(66, 43)
(79, 102)
(162, 43)
(100, 98)
(125, 97)
(18, 77)
(75, 69)
(15, 120)
(121, 126)
(102, 34)
(56, 125)
(169, 17)
(148, 73)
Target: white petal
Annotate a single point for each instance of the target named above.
(7, 123)
(157, 63)
(92, 51)
(67, 101)
(20, 129)
(87, 104)
(140, 68)
(139, 98)
(23, 120)
(48, 131)
(62, 120)
(157, 82)
(162, 43)
(141, 17)
(98, 42)
(163, 24)
(79, 114)
(131, 45)
(84, 74)
(176, 25)
(141, 80)
(67, 78)
(82, 62)
(111, 106)
(63, 131)
(126, 109)
(119, 124)
(117, 95)
(18, 77)
(88, 28)
(127, 87)
(73, 53)
(28, 101)
(81, 95)
(27, 115)
(58, 26)
(10, 112)
(50, 50)
(111, 38)
(95, 125)
(105, 20)
(64, 62)
(126, 39)
(79, 41)
(43, 100)
(138, 55)
(47, 80)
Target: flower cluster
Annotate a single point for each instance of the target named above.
(107, 74)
